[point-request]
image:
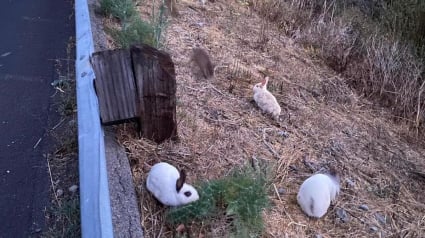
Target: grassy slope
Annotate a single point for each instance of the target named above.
(327, 124)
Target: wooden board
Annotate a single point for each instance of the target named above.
(156, 89)
(115, 85)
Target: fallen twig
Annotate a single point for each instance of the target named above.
(277, 192)
(51, 181)
(57, 125)
(275, 154)
(38, 142)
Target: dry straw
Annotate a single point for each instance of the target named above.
(322, 123)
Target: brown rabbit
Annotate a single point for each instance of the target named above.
(201, 58)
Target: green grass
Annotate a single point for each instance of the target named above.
(241, 196)
(121, 9)
(67, 104)
(134, 32)
(159, 24)
(67, 216)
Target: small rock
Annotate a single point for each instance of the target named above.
(342, 214)
(373, 229)
(73, 188)
(281, 191)
(350, 182)
(181, 228)
(318, 236)
(293, 168)
(364, 207)
(315, 93)
(71, 123)
(6, 54)
(381, 218)
(59, 192)
(284, 134)
(348, 132)
(36, 230)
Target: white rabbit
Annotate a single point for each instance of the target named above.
(317, 192)
(168, 185)
(265, 100)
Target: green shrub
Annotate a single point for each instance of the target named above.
(121, 9)
(67, 218)
(159, 24)
(242, 196)
(134, 32)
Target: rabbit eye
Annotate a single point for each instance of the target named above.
(187, 194)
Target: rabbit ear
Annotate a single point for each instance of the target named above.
(180, 181)
(265, 81)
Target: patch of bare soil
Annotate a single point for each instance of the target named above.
(323, 123)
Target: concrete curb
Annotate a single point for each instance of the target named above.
(105, 212)
(96, 219)
(125, 210)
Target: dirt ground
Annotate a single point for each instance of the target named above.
(323, 123)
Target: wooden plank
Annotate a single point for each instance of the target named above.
(156, 88)
(115, 85)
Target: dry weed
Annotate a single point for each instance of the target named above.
(349, 39)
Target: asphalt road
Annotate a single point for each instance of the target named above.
(34, 34)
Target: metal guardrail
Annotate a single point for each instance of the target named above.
(96, 220)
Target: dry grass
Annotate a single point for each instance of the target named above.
(365, 42)
(323, 123)
(396, 75)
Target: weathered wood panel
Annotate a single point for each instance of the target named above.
(115, 85)
(156, 88)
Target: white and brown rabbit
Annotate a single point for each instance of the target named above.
(265, 99)
(317, 192)
(168, 185)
